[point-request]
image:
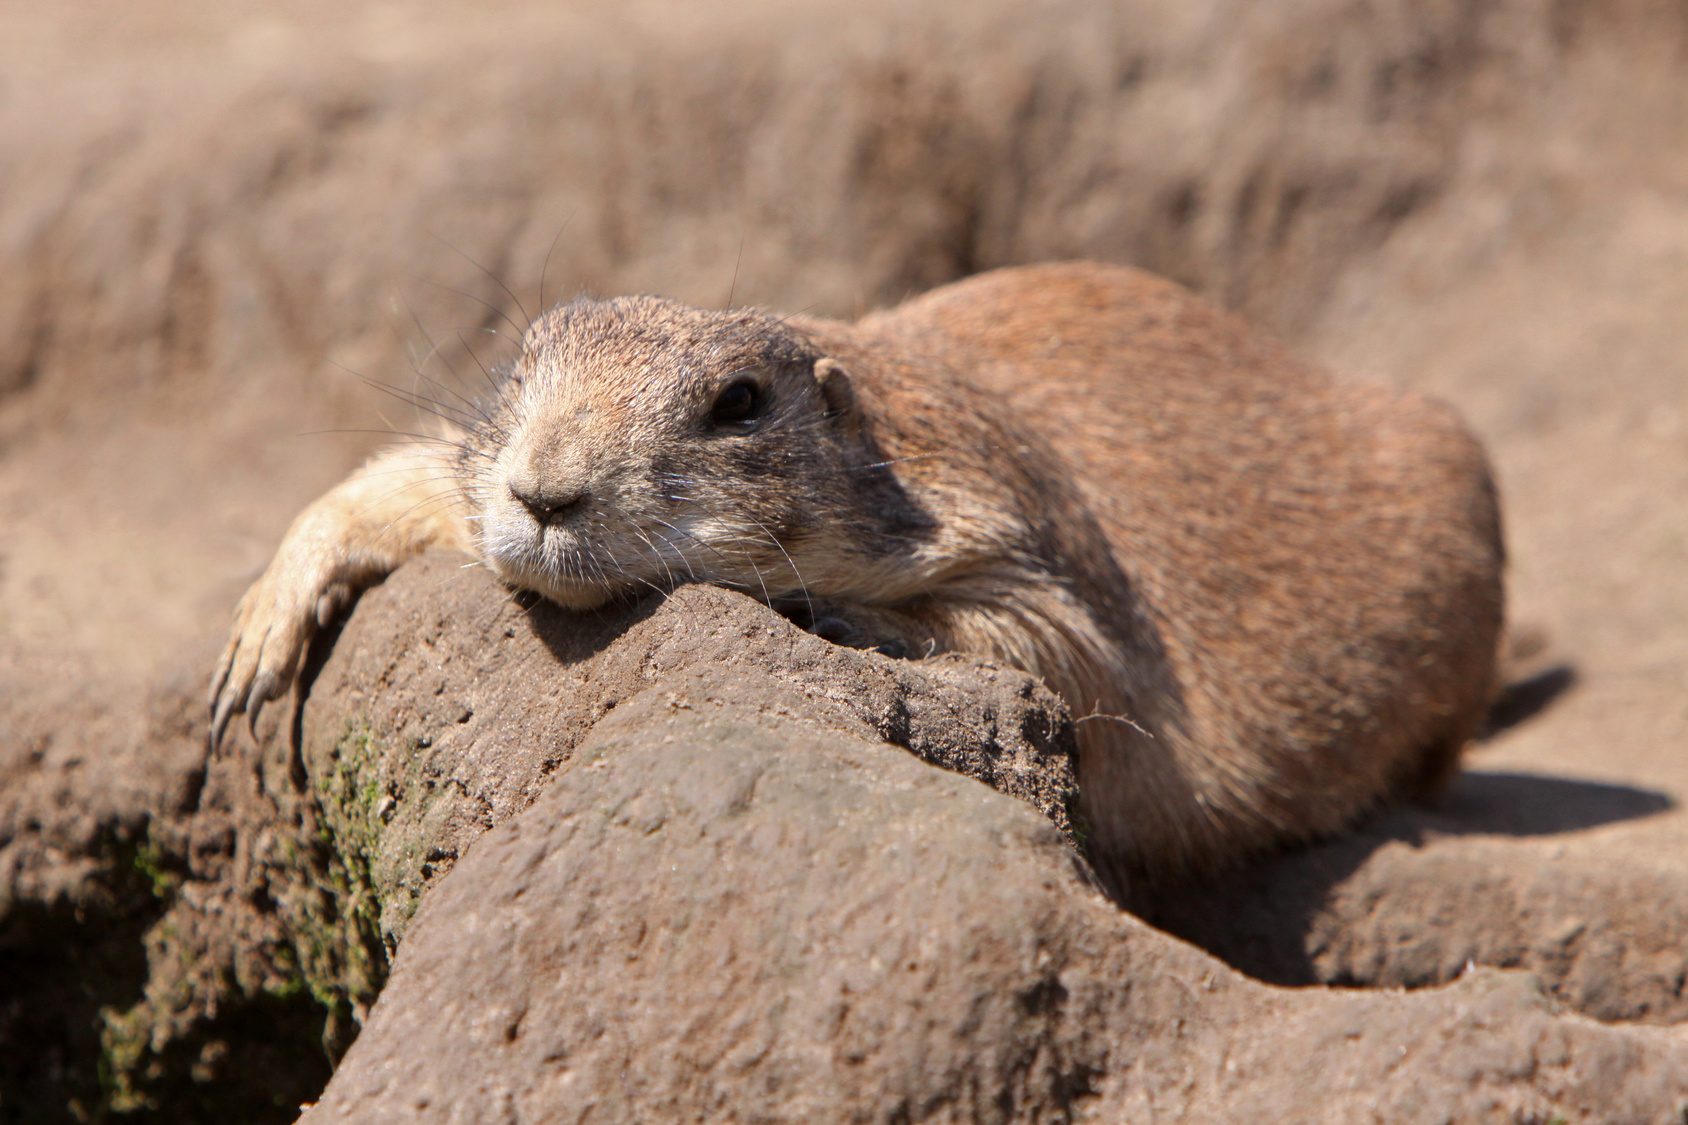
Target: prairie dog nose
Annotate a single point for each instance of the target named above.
(548, 503)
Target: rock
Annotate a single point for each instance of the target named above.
(1488, 876)
(165, 939)
(720, 910)
(414, 749)
(709, 872)
(201, 936)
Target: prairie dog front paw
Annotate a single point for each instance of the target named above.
(401, 502)
(273, 623)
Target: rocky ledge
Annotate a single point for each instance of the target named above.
(685, 861)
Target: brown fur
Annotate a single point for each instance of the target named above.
(1271, 599)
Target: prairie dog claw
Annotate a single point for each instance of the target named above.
(361, 529)
(272, 627)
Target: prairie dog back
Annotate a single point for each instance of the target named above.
(1319, 562)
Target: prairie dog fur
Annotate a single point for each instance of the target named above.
(1270, 598)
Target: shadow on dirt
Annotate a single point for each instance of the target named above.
(1520, 804)
(1526, 698)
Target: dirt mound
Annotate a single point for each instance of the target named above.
(213, 210)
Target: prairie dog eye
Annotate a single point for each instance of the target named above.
(736, 404)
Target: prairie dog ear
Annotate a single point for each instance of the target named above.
(839, 395)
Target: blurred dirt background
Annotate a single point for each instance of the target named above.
(218, 219)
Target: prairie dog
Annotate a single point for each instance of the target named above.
(1270, 598)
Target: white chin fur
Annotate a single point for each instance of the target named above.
(578, 597)
(569, 595)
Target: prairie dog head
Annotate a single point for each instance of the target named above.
(638, 443)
